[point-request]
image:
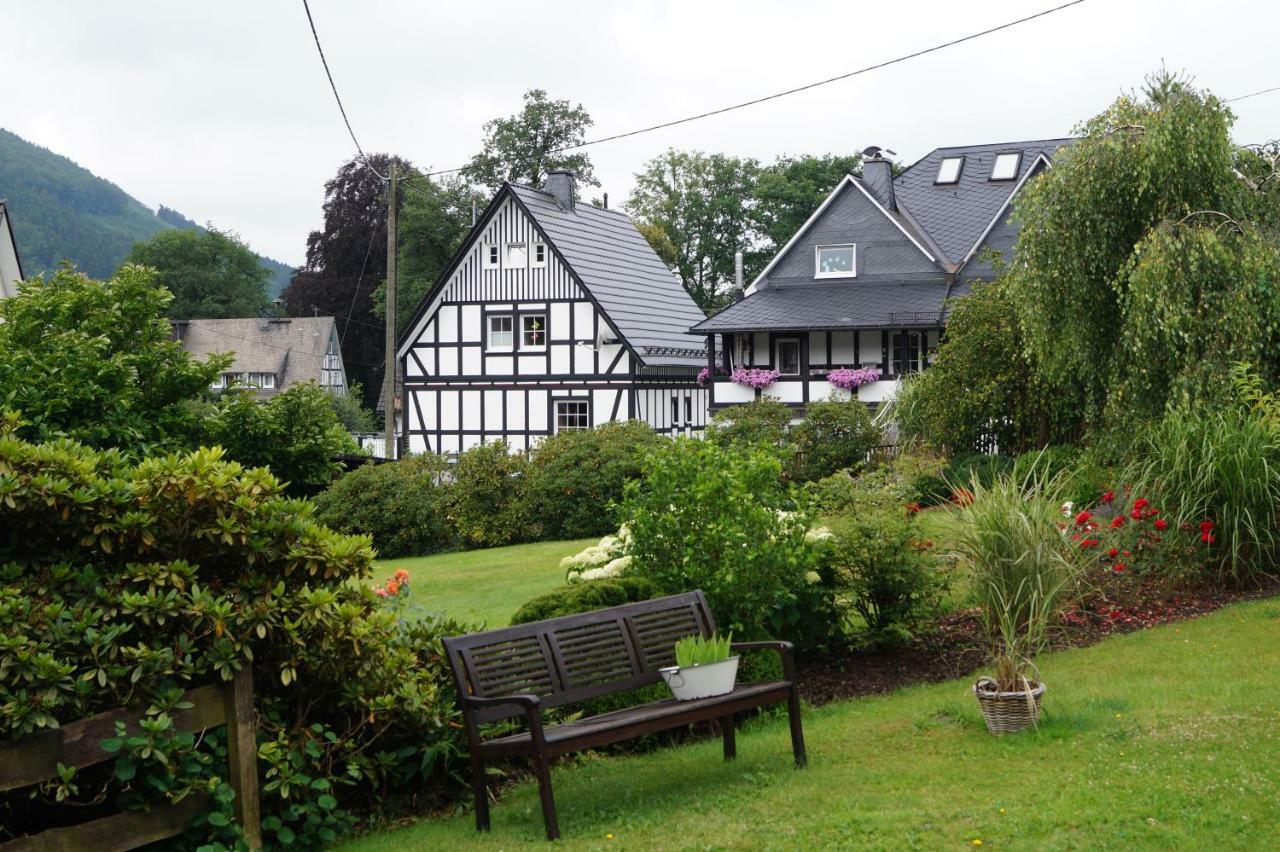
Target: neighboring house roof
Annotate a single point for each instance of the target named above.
(805, 307)
(10, 263)
(644, 300)
(955, 216)
(294, 349)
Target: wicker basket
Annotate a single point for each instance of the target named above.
(1008, 712)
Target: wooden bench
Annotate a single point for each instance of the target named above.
(517, 671)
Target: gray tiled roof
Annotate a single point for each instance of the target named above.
(955, 215)
(825, 306)
(639, 294)
(293, 349)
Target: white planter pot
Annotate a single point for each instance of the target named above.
(705, 681)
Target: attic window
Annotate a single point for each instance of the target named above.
(539, 255)
(949, 170)
(834, 261)
(490, 257)
(1006, 166)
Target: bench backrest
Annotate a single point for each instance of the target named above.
(576, 657)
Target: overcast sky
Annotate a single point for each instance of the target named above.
(221, 110)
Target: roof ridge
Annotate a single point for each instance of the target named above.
(586, 206)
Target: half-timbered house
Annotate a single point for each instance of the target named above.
(552, 315)
(865, 283)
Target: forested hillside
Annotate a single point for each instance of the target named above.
(61, 210)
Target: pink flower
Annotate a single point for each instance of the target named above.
(380, 592)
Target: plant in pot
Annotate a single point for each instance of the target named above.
(1021, 565)
(703, 667)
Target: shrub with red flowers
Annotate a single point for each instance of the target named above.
(1138, 537)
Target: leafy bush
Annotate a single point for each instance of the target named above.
(930, 489)
(889, 484)
(885, 569)
(400, 505)
(575, 477)
(720, 519)
(759, 424)
(486, 500)
(834, 435)
(586, 596)
(128, 583)
(965, 469)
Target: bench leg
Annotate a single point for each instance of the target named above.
(729, 735)
(543, 768)
(797, 732)
(481, 790)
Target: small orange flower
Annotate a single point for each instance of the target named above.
(402, 574)
(393, 587)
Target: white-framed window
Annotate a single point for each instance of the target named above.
(1006, 166)
(835, 261)
(489, 257)
(539, 258)
(533, 331)
(500, 331)
(786, 353)
(675, 410)
(229, 379)
(517, 256)
(949, 170)
(572, 414)
(263, 380)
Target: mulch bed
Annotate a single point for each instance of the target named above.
(954, 646)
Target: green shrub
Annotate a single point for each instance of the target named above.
(965, 469)
(586, 596)
(834, 435)
(486, 500)
(128, 583)
(760, 423)
(575, 478)
(929, 489)
(400, 505)
(720, 519)
(892, 483)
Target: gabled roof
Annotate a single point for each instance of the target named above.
(956, 216)
(806, 307)
(293, 349)
(642, 298)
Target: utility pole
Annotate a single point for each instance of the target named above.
(389, 380)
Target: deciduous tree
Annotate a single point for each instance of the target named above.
(522, 148)
(211, 274)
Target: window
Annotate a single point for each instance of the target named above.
(906, 353)
(675, 410)
(539, 255)
(517, 256)
(489, 257)
(533, 330)
(500, 326)
(949, 171)
(1006, 166)
(834, 261)
(688, 410)
(262, 380)
(572, 414)
(787, 354)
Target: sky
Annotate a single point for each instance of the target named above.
(222, 111)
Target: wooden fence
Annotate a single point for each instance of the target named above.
(77, 744)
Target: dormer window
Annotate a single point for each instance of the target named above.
(490, 256)
(539, 255)
(949, 170)
(1006, 166)
(834, 261)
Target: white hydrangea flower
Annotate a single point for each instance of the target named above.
(817, 534)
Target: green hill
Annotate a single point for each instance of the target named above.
(61, 210)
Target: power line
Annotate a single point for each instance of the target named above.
(804, 88)
(336, 96)
(356, 292)
(1253, 95)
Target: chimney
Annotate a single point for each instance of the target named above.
(739, 290)
(877, 175)
(561, 183)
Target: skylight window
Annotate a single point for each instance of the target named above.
(949, 171)
(1006, 166)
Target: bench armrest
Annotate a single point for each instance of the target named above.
(531, 704)
(785, 650)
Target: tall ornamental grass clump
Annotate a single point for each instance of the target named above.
(1021, 566)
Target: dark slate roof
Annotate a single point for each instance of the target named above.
(801, 307)
(648, 304)
(955, 215)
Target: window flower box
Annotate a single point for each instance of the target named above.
(755, 377)
(849, 379)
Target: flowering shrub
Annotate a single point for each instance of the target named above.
(1138, 537)
(606, 559)
(848, 379)
(754, 377)
(396, 585)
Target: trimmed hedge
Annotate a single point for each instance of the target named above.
(585, 597)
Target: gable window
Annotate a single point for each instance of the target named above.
(533, 331)
(834, 261)
(787, 356)
(949, 170)
(539, 255)
(489, 255)
(500, 331)
(517, 256)
(572, 414)
(1006, 166)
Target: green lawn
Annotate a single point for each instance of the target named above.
(484, 585)
(1159, 739)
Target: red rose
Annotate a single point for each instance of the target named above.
(1141, 503)
(1108, 496)
(1083, 518)
(1118, 567)
(1206, 527)
(1136, 514)
(1113, 552)
(1117, 522)
(1162, 524)
(1207, 538)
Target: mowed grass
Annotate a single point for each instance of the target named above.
(1156, 740)
(483, 585)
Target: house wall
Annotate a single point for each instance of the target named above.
(9, 271)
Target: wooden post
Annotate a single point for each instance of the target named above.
(242, 755)
(389, 380)
(711, 371)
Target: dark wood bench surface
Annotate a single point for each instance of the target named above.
(515, 672)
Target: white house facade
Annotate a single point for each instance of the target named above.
(10, 264)
(552, 316)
